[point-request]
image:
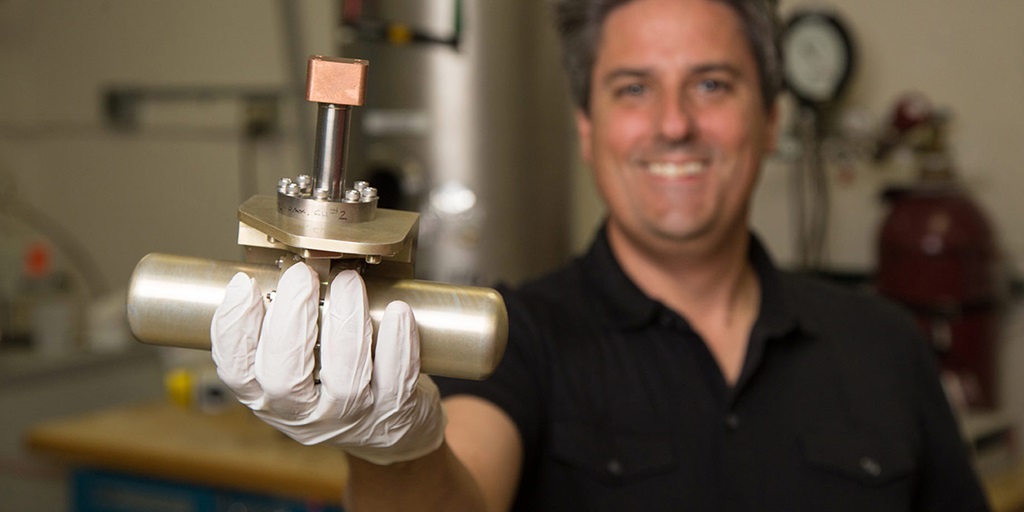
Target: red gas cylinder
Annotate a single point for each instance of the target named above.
(937, 255)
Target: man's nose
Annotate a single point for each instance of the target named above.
(675, 119)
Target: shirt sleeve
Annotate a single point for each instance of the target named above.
(949, 482)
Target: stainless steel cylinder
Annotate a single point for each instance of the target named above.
(332, 124)
(463, 329)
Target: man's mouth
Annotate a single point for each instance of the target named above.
(676, 169)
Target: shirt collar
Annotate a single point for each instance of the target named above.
(628, 307)
(778, 314)
(624, 303)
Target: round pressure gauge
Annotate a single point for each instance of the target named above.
(817, 55)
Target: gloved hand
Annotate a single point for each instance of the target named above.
(377, 407)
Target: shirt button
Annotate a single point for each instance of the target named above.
(614, 467)
(732, 421)
(870, 466)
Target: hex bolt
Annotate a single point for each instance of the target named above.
(282, 185)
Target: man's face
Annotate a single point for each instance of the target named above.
(676, 129)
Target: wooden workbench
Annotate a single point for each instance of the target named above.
(1006, 489)
(232, 450)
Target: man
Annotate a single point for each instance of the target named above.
(672, 367)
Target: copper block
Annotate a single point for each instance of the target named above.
(336, 80)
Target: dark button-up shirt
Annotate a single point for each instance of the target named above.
(621, 405)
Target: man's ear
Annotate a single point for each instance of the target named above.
(583, 133)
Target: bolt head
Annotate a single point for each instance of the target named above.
(368, 194)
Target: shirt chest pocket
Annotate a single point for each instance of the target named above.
(612, 457)
(863, 457)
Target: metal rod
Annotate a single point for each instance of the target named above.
(331, 149)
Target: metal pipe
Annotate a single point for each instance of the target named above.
(463, 329)
(332, 124)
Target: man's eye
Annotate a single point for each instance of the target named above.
(710, 85)
(631, 90)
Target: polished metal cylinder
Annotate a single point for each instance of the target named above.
(463, 329)
(332, 124)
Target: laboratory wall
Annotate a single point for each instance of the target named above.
(966, 58)
(125, 128)
(171, 176)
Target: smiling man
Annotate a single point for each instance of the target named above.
(675, 132)
(672, 366)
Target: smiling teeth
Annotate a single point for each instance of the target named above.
(673, 170)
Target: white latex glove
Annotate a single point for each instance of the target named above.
(378, 407)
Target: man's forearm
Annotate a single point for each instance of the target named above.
(437, 481)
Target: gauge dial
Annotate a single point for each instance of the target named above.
(817, 57)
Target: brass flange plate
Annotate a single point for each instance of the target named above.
(386, 235)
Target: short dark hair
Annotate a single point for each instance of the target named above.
(579, 24)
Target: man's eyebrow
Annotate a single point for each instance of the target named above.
(717, 67)
(620, 73)
(711, 67)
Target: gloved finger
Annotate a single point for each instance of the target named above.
(234, 333)
(396, 364)
(284, 356)
(346, 345)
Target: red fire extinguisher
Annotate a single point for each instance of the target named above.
(937, 255)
